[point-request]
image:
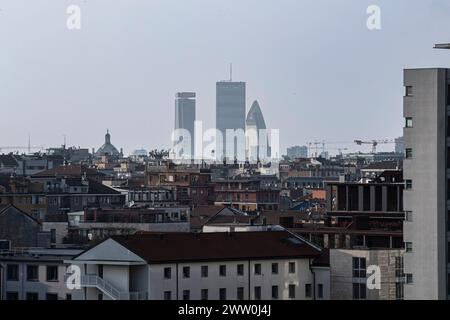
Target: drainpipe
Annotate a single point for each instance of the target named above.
(177, 280)
(314, 279)
(248, 274)
(1, 281)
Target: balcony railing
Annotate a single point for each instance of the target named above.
(94, 281)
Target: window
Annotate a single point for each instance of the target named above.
(258, 269)
(291, 290)
(274, 292)
(408, 246)
(308, 290)
(222, 294)
(408, 216)
(240, 293)
(408, 184)
(408, 122)
(52, 296)
(12, 296)
(186, 295)
(320, 291)
(408, 91)
(274, 268)
(399, 291)
(408, 153)
(409, 278)
(68, 296)
(12, 272)
(32, 273)
(223, 270)
(32, 296)
(359, 267)
(359, 291)
(399, 267)
(291, 267)
(240, 269)
(257, 293)
(204, 271)
(52, 273)
(204, 294)
(167, 295)
(167, 273)
(186, 272)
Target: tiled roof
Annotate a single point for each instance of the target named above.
(8, 160)
(71, 170)
(98, 188)
(178, 247)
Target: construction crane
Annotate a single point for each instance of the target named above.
(321, 145)
(374, 143)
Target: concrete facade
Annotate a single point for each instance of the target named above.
(130, 275)
(41, 287)
(342, 277)
(425, 173)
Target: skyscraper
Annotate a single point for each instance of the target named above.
(427, 183)
(296, 152)
(257, 148)
(185, 116)
(230, 114)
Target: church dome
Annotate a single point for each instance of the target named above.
(107, 148)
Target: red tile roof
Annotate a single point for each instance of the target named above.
(71, 170)
(222, 246)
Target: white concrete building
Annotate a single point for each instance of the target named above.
(208, 266)
(35, 274)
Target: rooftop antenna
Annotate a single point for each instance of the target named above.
(231, 72)
(64, 145)
(29, 143)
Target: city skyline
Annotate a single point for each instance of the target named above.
(137, 71)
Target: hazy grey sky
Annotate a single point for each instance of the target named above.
(314, 67)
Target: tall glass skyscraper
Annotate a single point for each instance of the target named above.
(185, 116)
(230, 114)
(257, 146)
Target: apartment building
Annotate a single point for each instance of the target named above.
(93, 225)
(204, 266)
(35, 274)
(349, 274)
(427, 185)
(248, 193)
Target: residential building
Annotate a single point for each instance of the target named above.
(349, 274)
(427, 184)
(248, 193)
(191, 184)
(210, 266)
(93, 225)
(36, 274)
(21, 229)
